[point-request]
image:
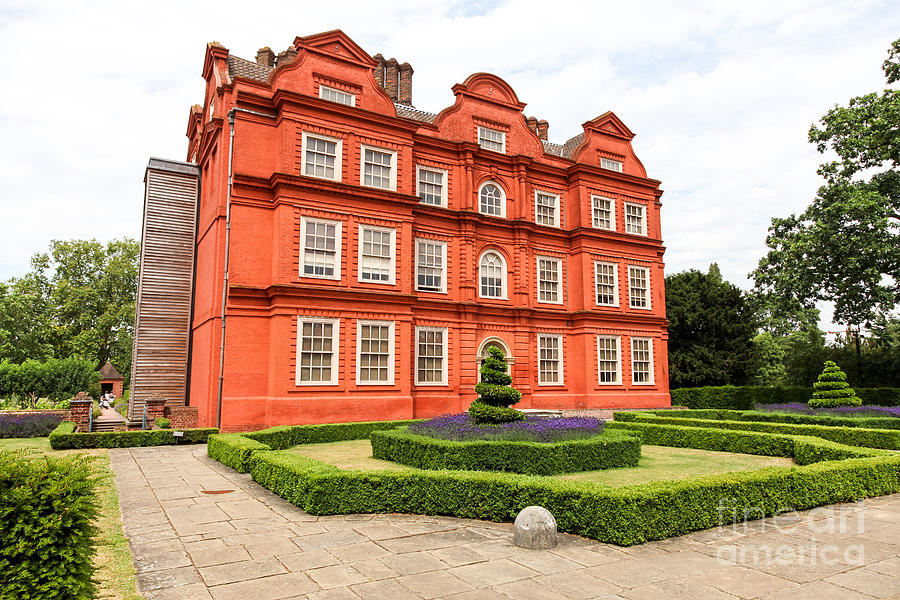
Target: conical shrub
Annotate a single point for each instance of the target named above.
(495, 395)
(832, 389)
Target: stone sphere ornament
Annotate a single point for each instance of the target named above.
(535, 529)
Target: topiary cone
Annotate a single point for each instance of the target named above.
(832, 389)
(495, 394)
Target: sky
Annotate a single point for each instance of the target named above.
(721, 95)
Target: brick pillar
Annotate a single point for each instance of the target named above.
(80, 410)
(156, 409)
(391, 76)
(542, 129)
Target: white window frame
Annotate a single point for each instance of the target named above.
(392, 351)
(612, 212)
(649, 341)
(502, 214)
(482, 129)
(611, 164)
(444, 332)
(339, 152)
(323, 92)
(615, 267)
(338, 244)
(505, 276)
(559, 282)
(646, 271)
(392, 275)
(362, 166)
(443, 246)
(562, 376)
(643, 218)
(335, 349)
(556, 207)
(444, 184)
(618, 340)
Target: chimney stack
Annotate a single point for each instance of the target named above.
(265, 57)
(394, 78)
(286, 57)
(532, 124)
(404, 85)
(542, 129)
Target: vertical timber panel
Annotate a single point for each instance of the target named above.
(165, 285)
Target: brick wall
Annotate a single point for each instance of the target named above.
(182, 417)
(156, 408)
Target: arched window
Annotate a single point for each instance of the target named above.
(492, 200)
(492, 275)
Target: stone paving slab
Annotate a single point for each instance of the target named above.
(248, 544)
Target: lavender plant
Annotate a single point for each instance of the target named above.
(462, 427)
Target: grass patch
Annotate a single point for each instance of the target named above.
(114, 567)
(658, 463)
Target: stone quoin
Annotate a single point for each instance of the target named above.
(375, 251)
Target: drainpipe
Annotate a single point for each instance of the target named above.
(231, 114)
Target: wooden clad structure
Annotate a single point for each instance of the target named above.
(165, 285)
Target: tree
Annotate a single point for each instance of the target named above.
(769, 360)
(495, 394)
(843, 248)
(78, 300)
(832, 389)
(711, 328)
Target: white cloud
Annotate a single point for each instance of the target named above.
(721, 96)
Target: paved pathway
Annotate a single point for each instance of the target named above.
(248, 544)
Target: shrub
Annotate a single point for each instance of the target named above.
(495, 391)
(285, 436)
(625, 516)
(776, 417)
(605, 451)
(233, 450)
(47, 536)
(832, 389)
(888, 439)
(28, 425)
(163, 423)
(64, 438)
(57, 378)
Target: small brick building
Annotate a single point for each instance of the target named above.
(369, 252)
(111, 380)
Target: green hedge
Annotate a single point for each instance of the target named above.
(57, 378)
(65, 438)
(888, 439)
(625, 515)
(285, 436)
(606, 451)
(721, 414)
(47, 536)
(745, 397)
(804, 449)
(233, 450)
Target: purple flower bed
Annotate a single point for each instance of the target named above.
(27, 426)
(461, 427)
(839, 411)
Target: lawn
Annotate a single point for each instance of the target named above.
(658, 463)
(115, 570)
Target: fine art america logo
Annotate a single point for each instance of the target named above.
(822, 536)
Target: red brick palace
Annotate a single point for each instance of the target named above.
(370, 252)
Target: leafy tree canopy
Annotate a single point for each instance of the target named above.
(843, 248)
(711, 330)
(78, 300)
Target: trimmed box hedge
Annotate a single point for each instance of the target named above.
(48, 506)
(625, 515)
(285, 436)
(605, 451)
(803, 449)
(745, 397)
(65, 438)
(721, 414)
(888, 439)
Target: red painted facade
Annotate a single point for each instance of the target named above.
(301, 293)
